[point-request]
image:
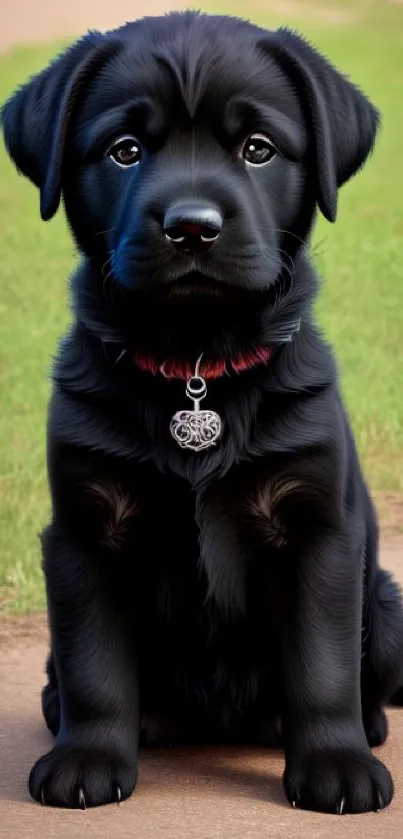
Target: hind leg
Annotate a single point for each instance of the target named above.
(382, 659)
(50, 698)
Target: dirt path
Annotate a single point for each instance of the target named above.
(194, 794)
(24, 21)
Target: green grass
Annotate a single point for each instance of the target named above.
(361, 306)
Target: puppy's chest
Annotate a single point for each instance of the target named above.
(166, 515)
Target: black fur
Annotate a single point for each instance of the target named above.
(224, 595)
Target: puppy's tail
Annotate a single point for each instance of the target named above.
(397, 698)
(50, 698)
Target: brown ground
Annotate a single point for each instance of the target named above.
(181, 794)
(39, 20)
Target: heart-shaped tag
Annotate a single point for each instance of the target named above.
(196, 430)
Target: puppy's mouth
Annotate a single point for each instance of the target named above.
(191, 286)
(196, 286)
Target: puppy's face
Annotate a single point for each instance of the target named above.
(192, 152)
(191, 159)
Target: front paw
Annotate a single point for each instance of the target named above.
(78, 778)
(338, 781)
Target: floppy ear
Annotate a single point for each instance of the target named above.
(342, 120)
(37, 117)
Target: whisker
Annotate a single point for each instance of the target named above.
(289, 233)
(103, 232)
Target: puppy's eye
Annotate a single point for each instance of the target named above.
(126, 151)
(258, 149)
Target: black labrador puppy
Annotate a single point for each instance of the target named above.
(211, 563)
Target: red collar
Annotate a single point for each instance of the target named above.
(172, 369)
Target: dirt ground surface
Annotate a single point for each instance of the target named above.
(24, 21)
(181, 793)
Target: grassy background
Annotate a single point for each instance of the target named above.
(361, 306)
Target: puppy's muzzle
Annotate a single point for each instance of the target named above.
(192, 227)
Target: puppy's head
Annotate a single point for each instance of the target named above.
(192, 152)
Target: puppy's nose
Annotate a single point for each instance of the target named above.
(192, 226)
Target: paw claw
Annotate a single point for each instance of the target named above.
(293, 804)
(339, 780)
(43, 797)
(380, 803)
(340, 811)
(81, 799)
(118, 795)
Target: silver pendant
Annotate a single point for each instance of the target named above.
(196, 429)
